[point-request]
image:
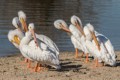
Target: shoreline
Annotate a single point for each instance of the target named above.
(18, 53)
(72, 69)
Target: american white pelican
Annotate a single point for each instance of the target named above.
(106, 48)
(45, 39)
(22, 18)
(38, 50)
(73, 32)
(77, 30)
(15, 35)
(99, 46)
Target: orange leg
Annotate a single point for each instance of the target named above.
(29, 64)
(96, 63)
(76, 53)
(26, 60)
(39, 67)
(36, 67)
(87, 58)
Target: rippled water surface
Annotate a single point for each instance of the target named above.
(103, 14)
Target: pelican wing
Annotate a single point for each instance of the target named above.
(106, 42)
(44, 56)
(107, 48)
(49, 43)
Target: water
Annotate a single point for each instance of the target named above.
(103, 14)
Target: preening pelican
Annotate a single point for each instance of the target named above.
(37, 50)
(22, 18)
(15, 35)
(45, 39)
(97, 48)
(73, 32)
(104, 49)
(61, 24)
(77, 30)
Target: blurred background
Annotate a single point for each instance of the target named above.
(103, 14)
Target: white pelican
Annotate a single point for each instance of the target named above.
(77, 30)
(37, 50)
(99, 46)
(73, 32)
(45, 39)
(106, 49)
(16, 35)
(22, 19)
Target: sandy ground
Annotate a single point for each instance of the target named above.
(11, 68)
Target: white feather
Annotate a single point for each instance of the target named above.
(21, 14)
(79, 41)
(75, 31)
(31, 25)
(77, 38)
(15, 22)
(58, 24)
(106, 53)
(12, 33)
(47, 41)
(87, 33)
(91, 28)
(44, 56)
(76, 19)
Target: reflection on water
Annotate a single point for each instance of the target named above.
(103, 14)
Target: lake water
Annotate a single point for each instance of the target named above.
(103, 14)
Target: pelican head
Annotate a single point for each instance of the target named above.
(22, 18)
(61, 24)
(31, 29)
(76, 21)
(87, 33)
(21, 15)
(31, 26)
(16, 22)
(91, 29)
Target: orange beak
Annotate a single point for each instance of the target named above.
(96, 41)
(24, 25)
(16, 40)
(34, 36)
(80, 28)
(65, 29)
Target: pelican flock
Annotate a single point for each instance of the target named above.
(37, 50)
(41, 49)
(15, 35)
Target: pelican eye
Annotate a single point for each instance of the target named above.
(61, 25)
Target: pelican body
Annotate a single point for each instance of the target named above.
(37, 50)
(76, 36)
(105, 51)
(43, 38)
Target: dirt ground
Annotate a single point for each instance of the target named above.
(11, 68)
